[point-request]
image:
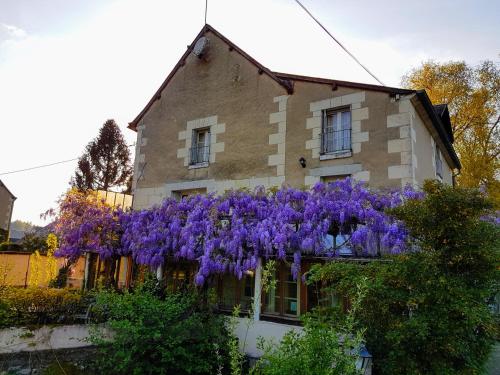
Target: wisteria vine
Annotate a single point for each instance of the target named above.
(229, 233)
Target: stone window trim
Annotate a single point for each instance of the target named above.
(354, 170)
(315, 122)
(335, 142)
(214, 128)
(200, 148)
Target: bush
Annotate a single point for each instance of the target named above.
(159, 336)
(33, 306)
(426, 312)
(323, 348)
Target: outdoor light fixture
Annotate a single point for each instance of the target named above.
(302, 162)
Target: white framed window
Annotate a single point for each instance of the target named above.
(439, 161)
(336, 131)
(200, 147)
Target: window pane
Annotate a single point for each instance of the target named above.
(346, 130)
(272, 302)
(290, 292)
(336, 131)
(339, 243)
(228, 297)
(247, 290)
(318, 296)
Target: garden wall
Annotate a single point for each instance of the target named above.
(23, 350)
(16, 269)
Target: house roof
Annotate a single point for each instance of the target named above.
(441, 120)
(444, 114)
(335, 82)
(286, 84)
(8, 191)
(284, 79)
(438, 114)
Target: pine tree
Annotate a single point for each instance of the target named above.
(105, 162)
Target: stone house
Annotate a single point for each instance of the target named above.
(221, 121)
(6, 207)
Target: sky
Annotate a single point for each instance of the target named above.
(68, 66)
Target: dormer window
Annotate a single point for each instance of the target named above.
(336, 131)
(200, 150)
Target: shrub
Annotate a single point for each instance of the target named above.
(34, 306)
(322, 348)
(159, 336)
(426, 312)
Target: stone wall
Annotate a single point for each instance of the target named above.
(259, 131)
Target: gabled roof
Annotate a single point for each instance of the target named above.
(8, 191)
(283, 82)
(439, 125)
(284, 79)
(438, 114)
(444, 114)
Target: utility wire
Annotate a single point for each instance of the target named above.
(338, 42)
(38, 166)
(45, 165)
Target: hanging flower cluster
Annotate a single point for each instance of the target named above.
(229, 233)
(86, 223)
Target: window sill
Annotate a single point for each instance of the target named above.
(336, 155)
(283, 319)
(198, 165)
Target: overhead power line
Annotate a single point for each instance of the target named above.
(38, 166)
(45, 165)
(340, 44)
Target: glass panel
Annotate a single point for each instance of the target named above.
(228, 297)
(247, 291)
(317, 296)
(177, 279)
(346, 130)
(122, 276)
(340, 243)
(272, 300)
(336, 131)
(290, 292)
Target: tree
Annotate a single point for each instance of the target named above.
(426, 312)
(106, 161)
(473, 98)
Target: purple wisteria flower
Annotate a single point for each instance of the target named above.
(229, 233)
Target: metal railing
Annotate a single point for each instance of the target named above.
(199, 154)
(335, 140)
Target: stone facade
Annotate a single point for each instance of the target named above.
(6, 206)
(259, 130)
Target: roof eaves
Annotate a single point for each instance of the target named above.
(335, 82)
(438, 125)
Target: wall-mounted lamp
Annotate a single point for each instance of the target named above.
(302, 162)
